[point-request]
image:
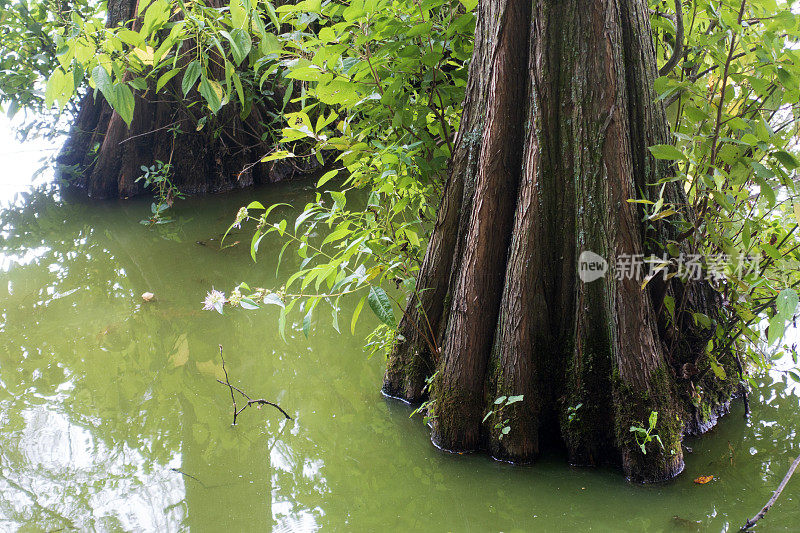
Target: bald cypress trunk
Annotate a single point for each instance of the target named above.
(105, 155)
(553, 144)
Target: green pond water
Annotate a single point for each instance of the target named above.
(111, 418)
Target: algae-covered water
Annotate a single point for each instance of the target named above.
(111, 418)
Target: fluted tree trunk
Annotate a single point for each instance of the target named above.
(105, 155)
(553, 143)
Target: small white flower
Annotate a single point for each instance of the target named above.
(235, 298)
(240, 216)
(214, 301)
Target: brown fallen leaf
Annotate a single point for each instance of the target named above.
(702, 480)
(147, 296)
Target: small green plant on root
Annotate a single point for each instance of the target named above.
(157, 177)
(499, 404)
(645, 436)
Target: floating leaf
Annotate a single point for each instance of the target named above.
(702, 480)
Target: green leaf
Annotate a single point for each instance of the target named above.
(238, 14)
(102, 80)
(123, 102)
(54, 87)
(515, 399)
(717, 369)
(212, 93)
(420, 29)
(138, 83)
(327, 177)
(273, 17)
(761, 175)
(156, 15)
(777, 327)
(241, 44)
(237, 83)
(130, 37)
(248, 303)
(307, 73)
(786, 159)
(337, 93)
(273, 299)
(666, 151)
(500, 400)
(355, 315)
(381, 305)
(164, 78)
(190, 76)
(786, 303)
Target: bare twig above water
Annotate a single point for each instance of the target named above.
(750, 523)
(237, 410)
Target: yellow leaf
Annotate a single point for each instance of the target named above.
(211, 369)
(702, 480)
(146, 55)
(181, 354)
(796, 207)
(217, 89)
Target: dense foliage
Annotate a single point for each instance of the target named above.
(373, 90)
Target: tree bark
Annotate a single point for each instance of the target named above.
(555, 149)
(103, 156)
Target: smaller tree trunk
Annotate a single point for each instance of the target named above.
(103, 156)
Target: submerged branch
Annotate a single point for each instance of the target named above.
(750, 523)
(260, 401)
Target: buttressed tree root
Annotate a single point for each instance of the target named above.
(553, 143)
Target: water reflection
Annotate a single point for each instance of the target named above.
(112, 418)
(111, 415)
